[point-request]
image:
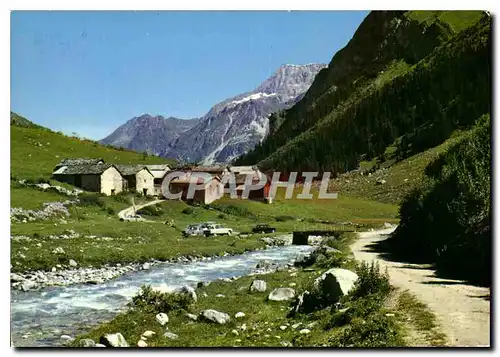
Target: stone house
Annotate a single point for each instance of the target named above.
(211, 191)
(138, 178)
(159, 171)
(94, 177)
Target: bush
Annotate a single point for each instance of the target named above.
(376, 331)
(221, 216)
(88, 199)
(284, 218)
(150, 211)
(447, 221)
(110, 210)
(188, 210)
(157, 301)
(370, 281)
(234, 210)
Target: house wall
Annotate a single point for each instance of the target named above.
(111, 179)
(145, 180)
(90, 183)
(212, 191)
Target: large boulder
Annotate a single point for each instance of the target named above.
(334, 283)
(258, 286)
(189, 291)
(113, 340)
(215, 316)
(162, 318)
(282, 294)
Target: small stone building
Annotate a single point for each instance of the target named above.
(159, 171)
(99, 177)
(138, 178)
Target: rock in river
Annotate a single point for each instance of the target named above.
(282, 294)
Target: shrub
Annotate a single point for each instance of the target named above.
(375, 331)
(234, 210)
(110, 210)
(89, 199)
(284, 218)
(221, 216)
(150, 211)
(370, 281)
(157, 301)
(188, 210)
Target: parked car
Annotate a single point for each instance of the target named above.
(263, 228)
(217, 229)
(134, 218)
(193, 230)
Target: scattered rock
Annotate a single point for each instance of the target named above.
(67, 338)
(146, 266)
(148, 334)
(100, 345)
(335, 283)
(292, 284)
(86, 342)
(304, 331)
(73, 263)
(54, 269)
(281, 294)
(390, 315)
(162, 318)
(187, 290)
(170, 335)
(243, 327)
(142, 343)
(295, 326)
(234, 332)
(283, 327)
(215, 316)
(258, 286)
(239, 315)
(58, 250)
(191, 317)
(113, 340)
(220, 295)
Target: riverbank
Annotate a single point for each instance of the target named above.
(248, 314)
(40, 318)
(61, 275)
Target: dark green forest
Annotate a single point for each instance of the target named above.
(447, 221)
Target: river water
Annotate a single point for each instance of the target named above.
(39, 318)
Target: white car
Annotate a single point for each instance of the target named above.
(193, 230)
(134, 218)
(217, 229)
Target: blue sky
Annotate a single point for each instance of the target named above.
(89, 72)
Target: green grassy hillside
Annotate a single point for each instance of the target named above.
(35, 151)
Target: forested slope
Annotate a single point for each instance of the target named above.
(403, 77)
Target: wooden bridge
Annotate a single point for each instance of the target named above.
(302, 237)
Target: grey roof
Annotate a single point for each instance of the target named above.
(80, 161)
(83, 169)
(158, 167)
(127, 170)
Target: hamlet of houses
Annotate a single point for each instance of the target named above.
(95, 175)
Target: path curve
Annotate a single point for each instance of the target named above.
(129, 211)
(460, 308)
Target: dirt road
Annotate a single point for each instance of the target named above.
(460, 309)
(129, 211)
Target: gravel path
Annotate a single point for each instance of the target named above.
(129, 211)
(460, 309)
